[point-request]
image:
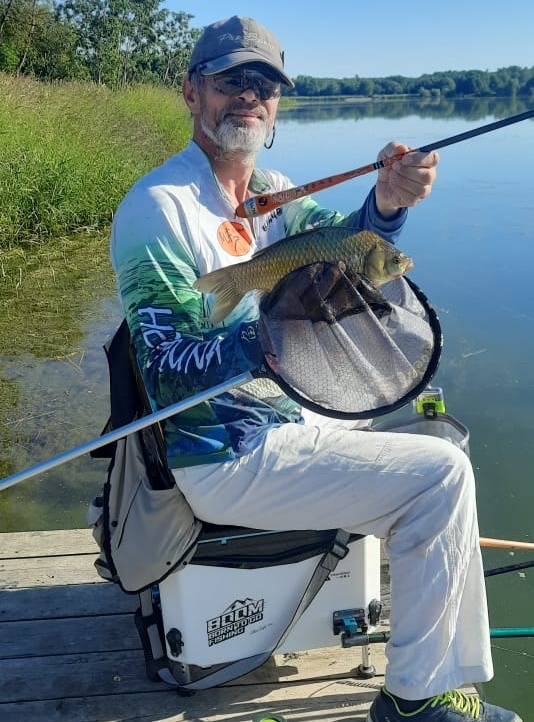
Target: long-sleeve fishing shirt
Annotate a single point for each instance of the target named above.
(174, 225)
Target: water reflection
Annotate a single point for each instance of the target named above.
(460, 108)
(58, 304)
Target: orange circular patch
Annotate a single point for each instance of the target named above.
(233, 238)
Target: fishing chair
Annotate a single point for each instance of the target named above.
(218, 601)
(247, 594)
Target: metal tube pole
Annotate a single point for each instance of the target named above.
(123, 431)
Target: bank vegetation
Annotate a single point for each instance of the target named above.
(71, 150)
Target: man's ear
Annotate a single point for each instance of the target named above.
(190, 94)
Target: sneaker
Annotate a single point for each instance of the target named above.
(452, 706)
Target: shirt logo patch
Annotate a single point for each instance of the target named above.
(234, 238)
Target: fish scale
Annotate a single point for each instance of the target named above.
(363, 252)
(332, 245)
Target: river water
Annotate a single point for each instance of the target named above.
(472, 243)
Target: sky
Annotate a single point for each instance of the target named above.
(378, 38)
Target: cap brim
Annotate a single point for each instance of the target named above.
(232, 60)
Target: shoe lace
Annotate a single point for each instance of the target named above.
(459, 701)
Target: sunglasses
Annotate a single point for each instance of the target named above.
(236, 81)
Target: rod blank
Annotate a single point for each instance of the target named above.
(123, 431)
(505, 544)
(261, 204)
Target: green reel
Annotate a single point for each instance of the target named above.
(269, 717)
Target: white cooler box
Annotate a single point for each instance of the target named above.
(225, 613)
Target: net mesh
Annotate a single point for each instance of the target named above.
(355, 351)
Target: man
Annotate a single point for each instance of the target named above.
(243, 459)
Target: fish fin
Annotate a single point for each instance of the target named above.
(221, 284)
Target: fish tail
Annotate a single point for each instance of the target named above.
(222, 285)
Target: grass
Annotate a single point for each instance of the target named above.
(48, 290)
(68, 154)
(70, 151)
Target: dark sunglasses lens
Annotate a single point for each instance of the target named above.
(235, 83)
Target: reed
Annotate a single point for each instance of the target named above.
(70, 151)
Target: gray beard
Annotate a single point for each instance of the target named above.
(236, 142)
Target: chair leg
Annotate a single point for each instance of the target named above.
(366, 670)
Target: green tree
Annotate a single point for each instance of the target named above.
(392, 87)
(7, 10)
(305, 85)
(52, 54)
(367, 86)
(33, 42)
(173, 48)
(16, 22)
(111, 35)
(125, 41)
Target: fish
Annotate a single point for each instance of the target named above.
(362, 252)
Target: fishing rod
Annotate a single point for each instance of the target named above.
(122, 431)
(505, 544)
(362, 640)
(261, 204)
(509, 568)
(162, 414)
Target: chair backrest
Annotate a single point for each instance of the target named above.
(143, 524)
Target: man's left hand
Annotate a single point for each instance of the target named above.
(407, 181)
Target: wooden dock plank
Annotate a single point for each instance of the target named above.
(308, 702)
(47, 543)
(73, 599)
(69, 652)
(92, 634)
(35, 572)
(58, 675)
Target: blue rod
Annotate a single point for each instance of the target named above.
(512, 632)
(360, 640)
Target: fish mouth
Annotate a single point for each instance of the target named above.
(408, 265)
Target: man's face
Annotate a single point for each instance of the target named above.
(238, 110)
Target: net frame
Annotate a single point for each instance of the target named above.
(387, 408)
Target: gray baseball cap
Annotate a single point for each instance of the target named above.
(235, 41)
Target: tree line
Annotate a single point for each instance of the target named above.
(123, 42)
(505, 82)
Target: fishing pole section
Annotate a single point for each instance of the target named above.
(122, 431)
(261, 204)
(353, 635)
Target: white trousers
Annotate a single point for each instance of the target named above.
(415, 492)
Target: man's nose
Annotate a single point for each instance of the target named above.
(249, 94)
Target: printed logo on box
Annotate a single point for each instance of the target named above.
(234, 620)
